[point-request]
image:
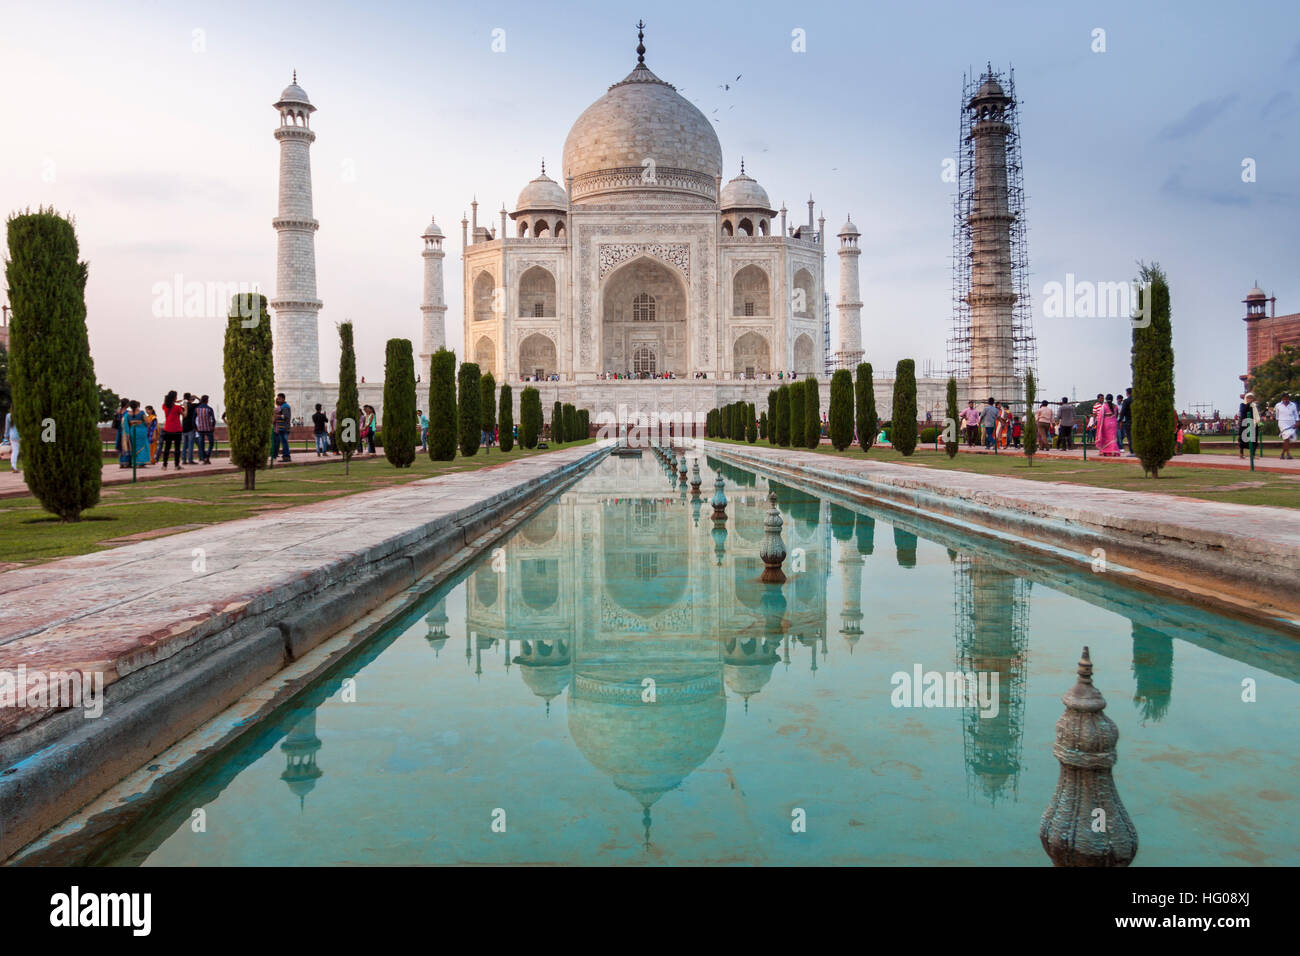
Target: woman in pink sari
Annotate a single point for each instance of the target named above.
(1107, 416)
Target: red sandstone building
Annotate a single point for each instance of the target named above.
(1266, 331)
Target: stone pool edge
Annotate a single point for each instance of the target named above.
(1238, 575)
(55, 777)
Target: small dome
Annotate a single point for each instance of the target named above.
(542, 193)
(990, 87)
(293, 93)
(1257, 293)
(848, 229)
(433, 232)
(744, 192)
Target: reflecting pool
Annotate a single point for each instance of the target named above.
(614, 685)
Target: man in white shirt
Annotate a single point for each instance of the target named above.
(1286, 415)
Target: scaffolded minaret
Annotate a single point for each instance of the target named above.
(297, 343)
(992, 344)
(850, 304)
(433, 330)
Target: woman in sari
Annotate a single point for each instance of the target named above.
(124, 444)
(151, 424)
(1107, 416)
(135, 436)
(1003, 426)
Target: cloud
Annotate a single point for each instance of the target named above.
(1198, 117)
(1280, 106)
(1174, 187)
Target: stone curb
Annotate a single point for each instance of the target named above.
(1247, 570)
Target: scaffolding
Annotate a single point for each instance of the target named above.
(991, 627)
(1023, 345)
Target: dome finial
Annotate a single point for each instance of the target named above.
(742, 165)
(295, 76)
(640, 45)
(543, 165)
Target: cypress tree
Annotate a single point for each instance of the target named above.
(903, 435)
(764, 431)
(868, 420)
(751, 431)
(584, 423)
(250, 385)
(52, 376)
(570, 416)
(951, 430)
(1029, 426)
(400, 427)
(442, 406)
(783, 416)
(841, 413)
(347, 413)
(530, 417)
(5, 395)
(487, 402)
(470, 415)
(557, 424)
(506, 419)
(812, 413)
(736, 422)
(771, 416)
(798, 411)
(1154, 413)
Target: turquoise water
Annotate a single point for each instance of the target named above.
(504, 718)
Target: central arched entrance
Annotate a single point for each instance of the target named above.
(643, 319)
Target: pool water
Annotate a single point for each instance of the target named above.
(613, 685)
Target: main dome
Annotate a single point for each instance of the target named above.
(642, 137)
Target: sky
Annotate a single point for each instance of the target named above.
(152, 125)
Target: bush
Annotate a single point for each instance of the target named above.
(783, 416)
(1030, 423)
(487, 387)
(470, 415)
(442, 406)
(929, 435)
(506, 419)
(1153, 375)
(399, 422)
(347, 413)
(904, 434)
(951, 426)
(867, 419)
(1191, 444)
(56, 399)
(798, 410)
(812, 413)
(530, 417)
(841, 413)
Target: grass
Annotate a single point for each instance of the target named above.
(29, 535)
(1210, 484)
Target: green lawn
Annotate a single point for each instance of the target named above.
(1211, 484)
(29, 535)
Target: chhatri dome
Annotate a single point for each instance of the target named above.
(542, 194)
(642, 137)
(294, 94)
(744, 193)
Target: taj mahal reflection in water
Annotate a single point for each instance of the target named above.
(681, 623)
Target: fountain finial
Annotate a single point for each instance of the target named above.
(1086, 823)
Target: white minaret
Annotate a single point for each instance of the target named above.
(297, 339)
(433, 331)
(850, 304)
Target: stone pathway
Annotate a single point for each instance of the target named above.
(1271, 463)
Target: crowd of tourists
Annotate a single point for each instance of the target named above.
(184, 432)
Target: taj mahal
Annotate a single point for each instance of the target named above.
(642, 284)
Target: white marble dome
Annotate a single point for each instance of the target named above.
(542, 193)
(642, 119)
(848, 229)
(293, 93)
(744, 192)
(433, 232)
